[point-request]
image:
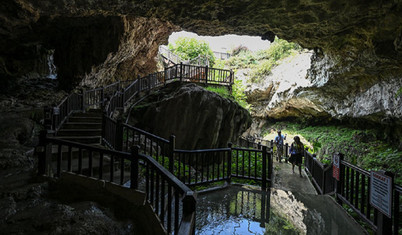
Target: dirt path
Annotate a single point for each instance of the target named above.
(286, 180)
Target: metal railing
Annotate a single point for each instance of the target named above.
(165, 193)
(55, 117)
(321, 174)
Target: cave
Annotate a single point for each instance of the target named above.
(356, 67)
(357, 46)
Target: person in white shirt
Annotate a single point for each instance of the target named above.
(279, 139)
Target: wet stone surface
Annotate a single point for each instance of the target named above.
(248, 210)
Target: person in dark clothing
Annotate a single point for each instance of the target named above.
(296, 154)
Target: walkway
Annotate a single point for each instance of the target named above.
(286, 180)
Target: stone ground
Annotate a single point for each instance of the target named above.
(286, 180)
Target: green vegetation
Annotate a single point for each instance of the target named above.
(191, 48)
(360, 147)
(399, 93)
(261, 62)
(220, 90)
(237, 94)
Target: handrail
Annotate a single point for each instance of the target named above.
(171, 179)
(182, 205)
(56, 116)
(145, 133)
(168, 54)
(202, 150)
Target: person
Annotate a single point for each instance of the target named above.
(296, 151)
(279, 145)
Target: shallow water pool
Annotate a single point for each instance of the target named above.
(248, 210)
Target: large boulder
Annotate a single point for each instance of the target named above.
(197, 117)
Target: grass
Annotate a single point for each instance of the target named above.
(220, 90)
(237, 94)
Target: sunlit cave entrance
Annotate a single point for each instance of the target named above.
(264, 72)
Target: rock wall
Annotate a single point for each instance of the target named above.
(198, 118)
(357, 44)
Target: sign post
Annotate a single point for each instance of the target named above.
(381, 198)
(335, 166)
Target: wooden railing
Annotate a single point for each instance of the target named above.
(253, 164)
(118, 94)
(56, 116)
(321, 174)
(354, 189)
(164, 51)
(164, 191)
(109, 131)
(201, 60)
(197, 167)
(157, 147)
(93, 98)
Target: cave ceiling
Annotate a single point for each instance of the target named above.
(357, 44)
(351, 29)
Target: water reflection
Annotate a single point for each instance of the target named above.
(242, 211)
(246, 210)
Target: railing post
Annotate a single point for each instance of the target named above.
(104, 114)
(139, 83)
(229, 173)
(286, 152)
(45, 157)
(324, 179)
(259, 146)
(339, 184)
(102, 97)
(313, 163)
(119, 135)
(48, 118)
(172, 146)
(181, 71)
(83, 100)
(384, 224)
(164, 77)
(264, 167)
(206, 74)
(272, 146)
(134, 167)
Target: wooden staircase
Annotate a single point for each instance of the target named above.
(82, 127)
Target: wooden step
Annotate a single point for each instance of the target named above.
(84, 119)
(82, 139)
(82, 125)
(79, 132)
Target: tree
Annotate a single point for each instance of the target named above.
(191, 48)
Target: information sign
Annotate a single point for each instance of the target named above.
(381, 192)
(56, 111)
(335, 166)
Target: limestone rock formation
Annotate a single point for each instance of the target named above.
(357, 45)
(197, 117)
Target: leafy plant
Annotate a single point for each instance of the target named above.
(238, 94)
(222, 91)
(262, 62)
(191, 48)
